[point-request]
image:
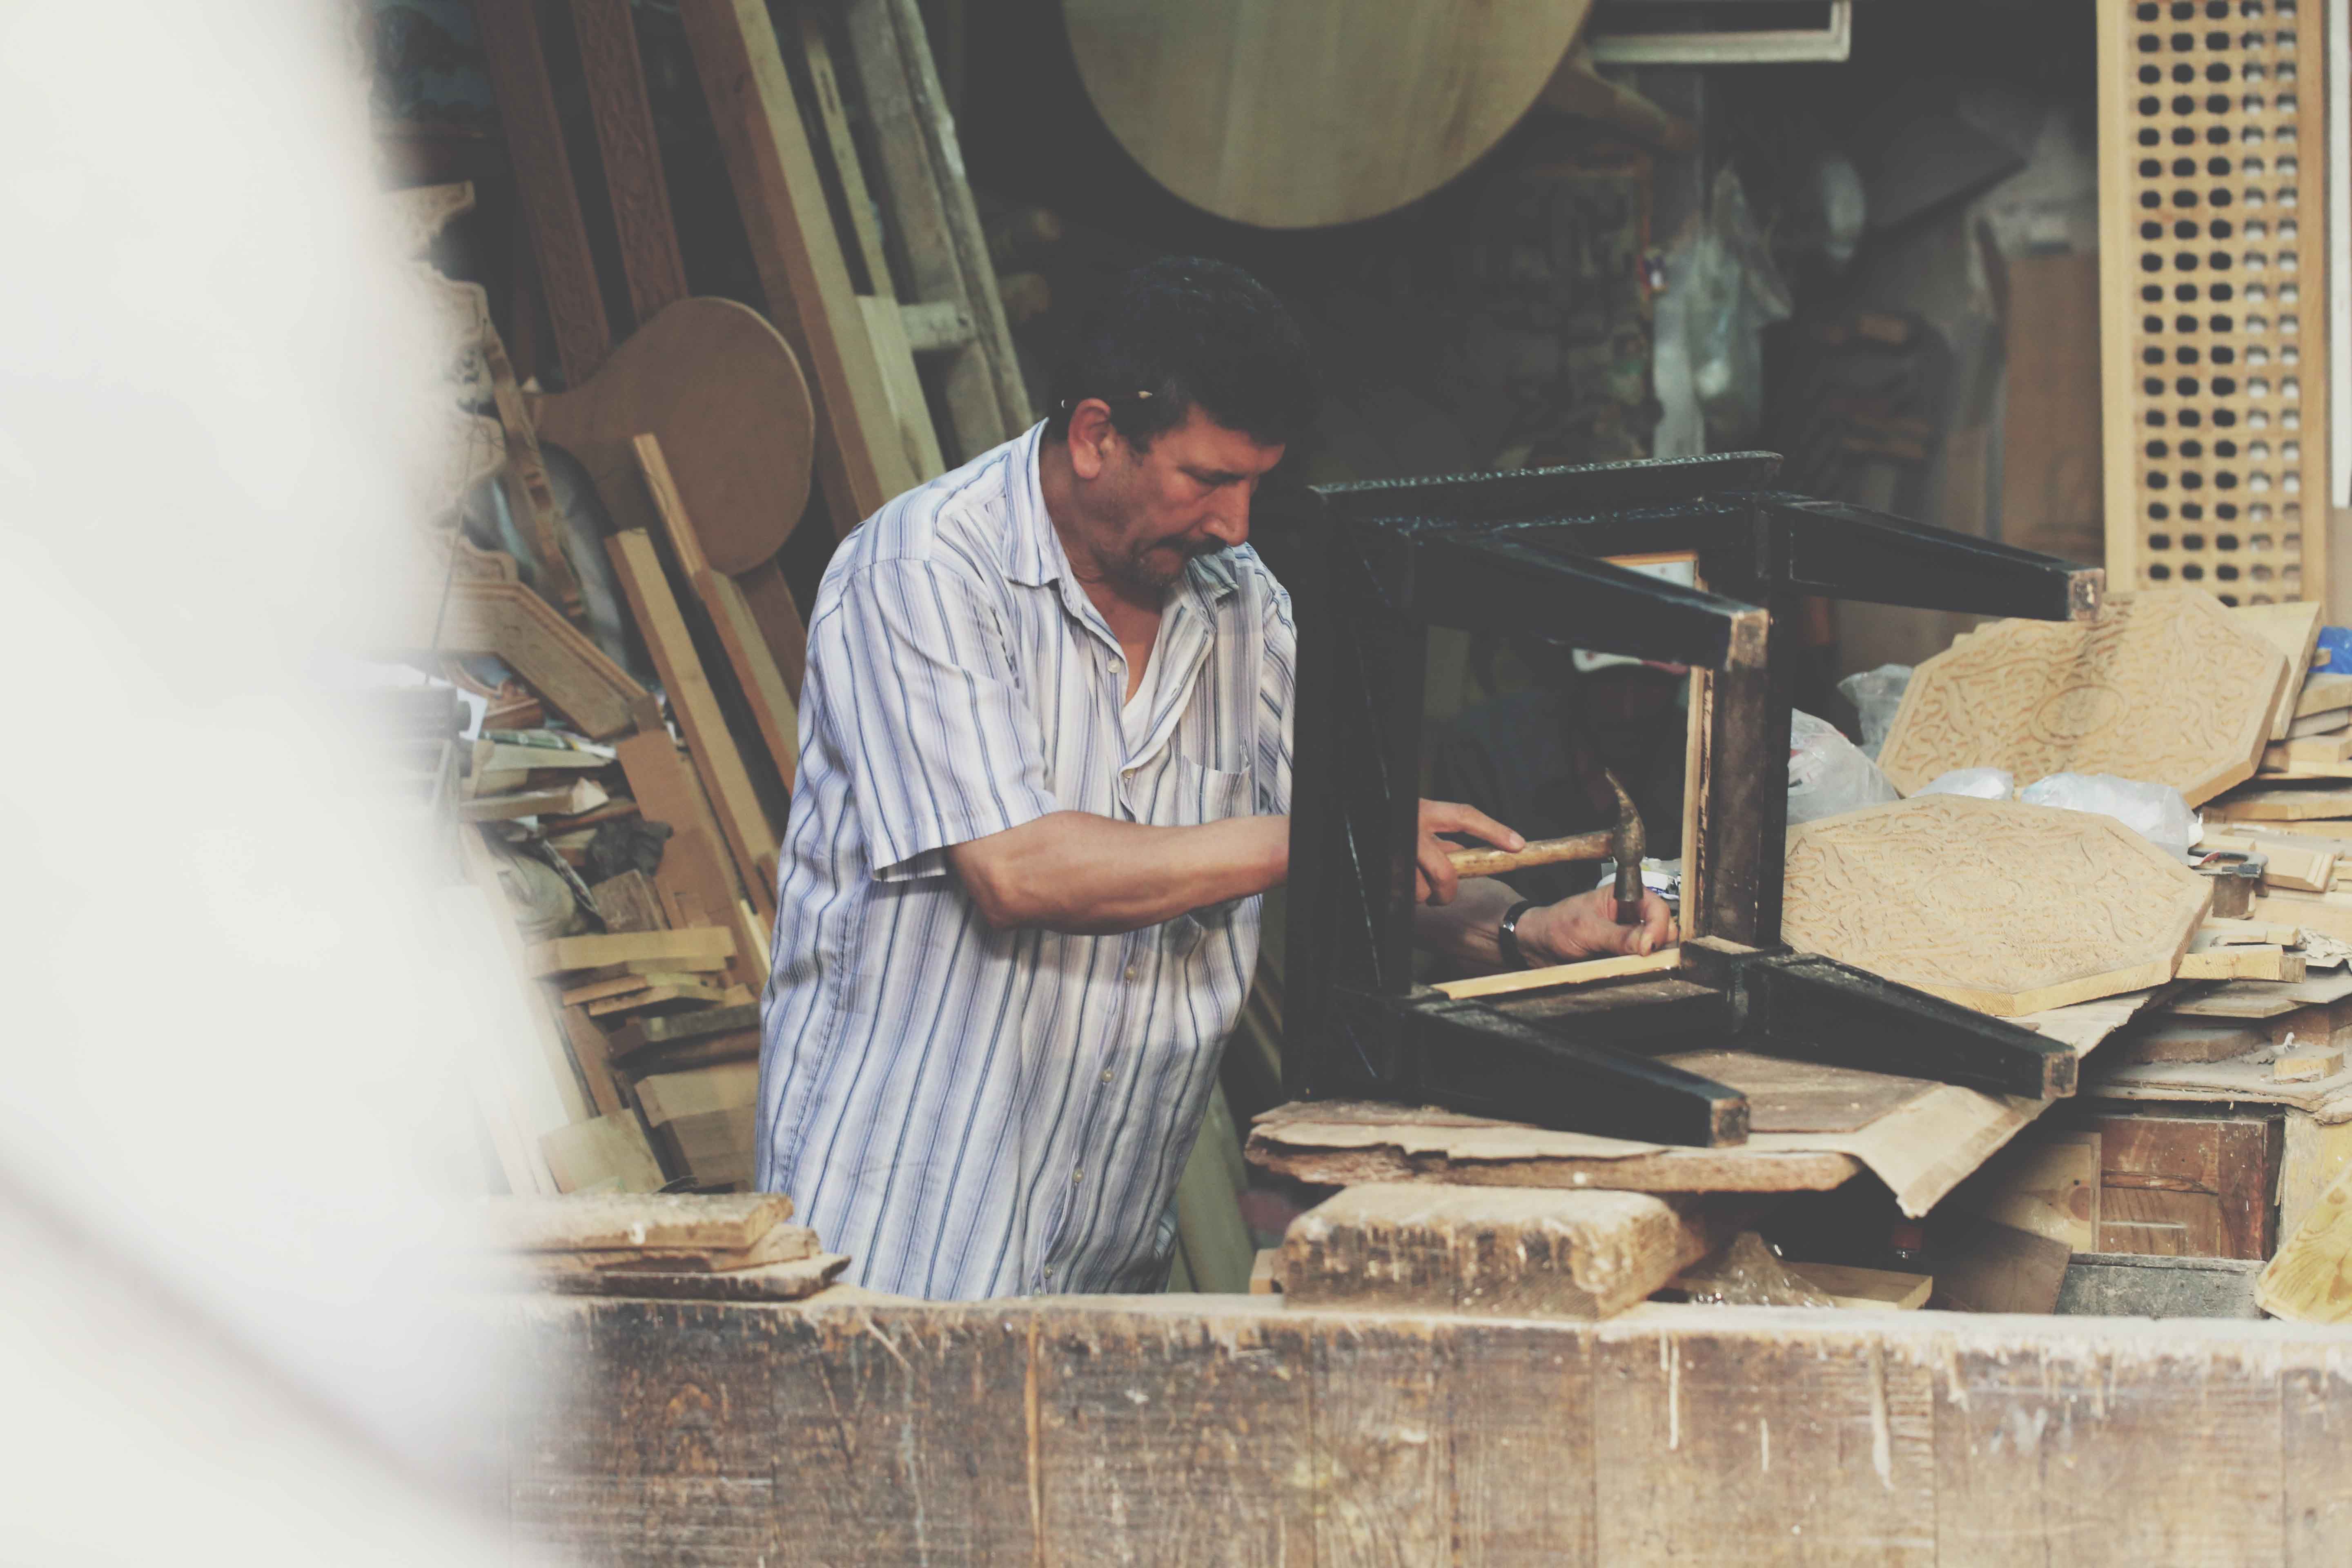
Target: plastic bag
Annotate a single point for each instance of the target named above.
(1730, 292)
(1875, 695)
(1748, 1273)
(1828, 774)
(1981, 784)
(2156, 811)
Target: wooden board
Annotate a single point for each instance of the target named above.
(1582, 973)
(1517, 1252)
(1803, 1097)
(570, 952)
(723, 392)
(606, 1153)
(795, 1281)
(748, 654)
(1867, 1290)
(2283, 802)
(2046, 1184)
(665, 1221)
(2163, 687)
(2239, 961)
(1998, 905)
(2310, 1279)
(1253, 110)
(2211, 162)
(2050, 476)
(2293, 630)
(1983, 1266)
(802, 271)
(2327, 692)
(562, 665)
(750, 836)
(618, 107)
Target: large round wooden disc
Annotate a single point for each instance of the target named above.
(1298, 113)
(724, 392)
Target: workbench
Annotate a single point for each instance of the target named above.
(1180, 1430)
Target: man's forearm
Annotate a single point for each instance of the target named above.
(1075, 871)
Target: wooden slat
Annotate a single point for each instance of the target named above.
(801, 270)
(567, 270)
(633, 165)
(1580, 973)
(730, 614)
(864, 222)
(750, 837)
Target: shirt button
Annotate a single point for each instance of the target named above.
(1078, 1177)
(1130, 971)
(1106, 1074)
(1049, 1271)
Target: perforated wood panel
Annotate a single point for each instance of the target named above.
(2212, 277)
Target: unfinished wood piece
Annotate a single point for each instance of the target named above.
(2239, 961)
(2307, 1062)
(1983, 1266)
(841, 150)
(2301, 861)
(781, 1243)
(2216, 468)
(798, 254)
(645, 1033)
(1490, 1251)
(2222, 934)
(750, 836)
(724, 392)
(1252, 110)
(567, 800)
(606, 1153)
(2163, 687)
(2283, 802)
(694, 877)
(2293, 630)
(593, 1055)
(1867, 1290)
(570, 952)
(572, 673)
(2331, 722)
(1786, 1096)
(917, 436)
(2046, 1183)
(703, 1119)
(2315, 1153)
(1582, 973)
(763, 684)
(2315, 753)
(615, 78)
(935, 224)
(2185, 1039)
(673, 1222)
(2310, 1279)
(2001, 906)
(676, 997)
(2330, 691)
(508, 31)
(628, 902)
(794, 1282)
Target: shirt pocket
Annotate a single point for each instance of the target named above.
(1209, 794)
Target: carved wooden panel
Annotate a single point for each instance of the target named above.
(2214, 295)
(1997, 905)
(2163, 687)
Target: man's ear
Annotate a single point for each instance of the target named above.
(1090, 439)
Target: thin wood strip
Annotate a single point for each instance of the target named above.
(864, 221)
(632, 166)
(1582, 973)
(509, 30)
(750, 838)
(802, 268)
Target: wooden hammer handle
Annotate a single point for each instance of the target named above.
(1541, 852)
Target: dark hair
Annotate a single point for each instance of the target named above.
(1190, 331)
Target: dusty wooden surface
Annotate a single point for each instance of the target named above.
(855, 1429)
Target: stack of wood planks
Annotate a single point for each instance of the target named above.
(723, 1248)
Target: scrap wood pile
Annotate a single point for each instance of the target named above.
(737, 1248)
(603, 586)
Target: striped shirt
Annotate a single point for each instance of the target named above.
(970, 1112)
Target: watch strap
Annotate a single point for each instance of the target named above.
(1507, 935)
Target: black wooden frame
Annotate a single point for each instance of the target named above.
(1371, 567)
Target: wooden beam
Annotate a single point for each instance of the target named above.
(750, 838)
(632, 155)
(1517, 1252)
(509, 30)
(798, 253)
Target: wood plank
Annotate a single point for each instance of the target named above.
(747, 653)
(794, 1282)
(1514, 1252)
(2310, 1279)
(841, 148)
(603, 1154)
(667, 1221)
(628, 902)
(2046, 1184)
(696, 879)
(2307, 1063)
(1869, 1289)
(1518, 1402)
(508, 31)
(623, 119)
(676, 998)
(769, 598)
(2239, 961)
(2312, 1156)
(568, 800)
(1584, 971)
(570, 952)
(2329, 691)
(1377, 1410)
(1983, 1266)
(2293, 630)
(561, 663)
(1786, 1096)
(909, 410)
(2186, 1186)
(642, 1033)
(750, 836)
(801, 270)
(594, 1056)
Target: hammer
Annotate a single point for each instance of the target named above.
(1626, 842)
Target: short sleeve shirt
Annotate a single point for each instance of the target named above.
(968, 1112)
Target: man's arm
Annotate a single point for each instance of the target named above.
(1073, 871)
(1582, 927)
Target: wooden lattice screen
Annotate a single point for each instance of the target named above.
(2213, 295)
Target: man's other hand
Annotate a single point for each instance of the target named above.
(1586, 927)
(1434, 878)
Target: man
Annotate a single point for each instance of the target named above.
(1045, 760)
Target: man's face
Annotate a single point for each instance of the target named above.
(1186, 494)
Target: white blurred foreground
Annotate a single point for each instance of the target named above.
(234, 1122)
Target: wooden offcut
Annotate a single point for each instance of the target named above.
(2293, 630)
(1254, 109)
(1580, 973)
(572, 673)
(2310, 1279)
(1496, 1250)
(570, 952)
(722, 1223)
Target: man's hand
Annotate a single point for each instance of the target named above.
(1586, 927)
(1434, 878)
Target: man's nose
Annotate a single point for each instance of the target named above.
(1228, 518)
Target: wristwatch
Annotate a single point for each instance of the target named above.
(1507, 935)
